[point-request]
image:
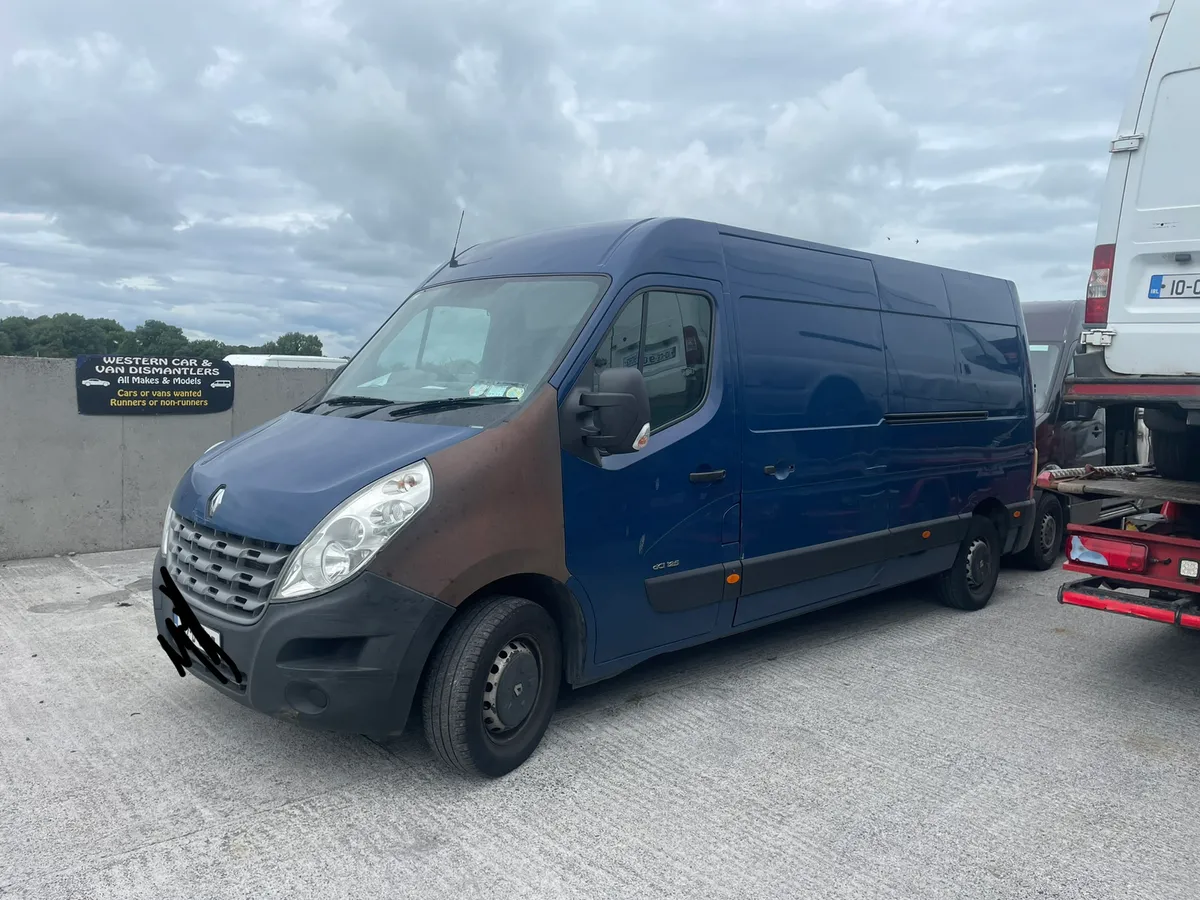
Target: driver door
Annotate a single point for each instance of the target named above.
(649, 533)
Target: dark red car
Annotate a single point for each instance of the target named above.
(1068, 434)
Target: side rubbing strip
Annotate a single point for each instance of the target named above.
(926, 418)
(682, 591)
(765, 573)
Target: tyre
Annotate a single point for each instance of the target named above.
(972, 579)
(1176, 454)
(1049, 526)
(491, 686)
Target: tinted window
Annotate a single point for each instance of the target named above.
(668, 336)
(1043, 358)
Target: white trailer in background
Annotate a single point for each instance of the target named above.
(279, 361)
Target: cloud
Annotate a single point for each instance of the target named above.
(245, 168)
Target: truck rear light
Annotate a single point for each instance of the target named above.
(1099, 285)
(1124, 556)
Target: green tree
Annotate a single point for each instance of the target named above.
(155, 338)
(208, 349)
(296, 344)
(66, 335)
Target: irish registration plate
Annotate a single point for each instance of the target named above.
(660, 356)
(212, 633)
(1175, 287)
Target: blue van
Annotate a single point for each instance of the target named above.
(568, 452)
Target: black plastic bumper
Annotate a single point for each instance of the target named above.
(349, 660)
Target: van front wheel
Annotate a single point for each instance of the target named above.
(492, 686)
(969, 583)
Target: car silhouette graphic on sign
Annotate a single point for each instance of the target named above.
(94, 382)
(221, 384)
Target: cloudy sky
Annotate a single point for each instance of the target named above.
(247, 167)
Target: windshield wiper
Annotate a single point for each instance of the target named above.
(351, 400)
(427, 406)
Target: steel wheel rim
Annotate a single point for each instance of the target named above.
(521, 657)
(979, 565)
(1047, 532)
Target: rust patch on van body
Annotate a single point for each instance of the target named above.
(496, 510)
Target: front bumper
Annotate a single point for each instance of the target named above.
(348, 660)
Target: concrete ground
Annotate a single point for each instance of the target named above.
(888, 748)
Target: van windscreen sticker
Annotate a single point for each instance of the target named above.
(508, 389)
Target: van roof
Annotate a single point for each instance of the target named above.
(610, 247)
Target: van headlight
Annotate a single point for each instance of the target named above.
(166, 532)
(352, 534)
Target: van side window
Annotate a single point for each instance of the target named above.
(668, 336)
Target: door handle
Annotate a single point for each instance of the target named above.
(710, 475)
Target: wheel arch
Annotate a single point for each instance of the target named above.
(996, 512)
(556, 599)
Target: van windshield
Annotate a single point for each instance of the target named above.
(1043, 360)
(491, 338)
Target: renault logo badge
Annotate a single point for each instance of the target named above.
(214, 502)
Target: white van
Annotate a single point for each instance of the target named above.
(1141, 333)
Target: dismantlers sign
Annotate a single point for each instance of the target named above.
(152, 385)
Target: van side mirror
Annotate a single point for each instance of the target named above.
(619, 420)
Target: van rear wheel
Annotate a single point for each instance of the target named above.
(492, 686)
(1046, 542)
(970, 582)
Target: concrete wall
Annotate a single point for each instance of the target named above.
(82, 483)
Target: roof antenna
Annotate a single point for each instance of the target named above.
(457, 234)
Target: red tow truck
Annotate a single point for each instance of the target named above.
(1146, 565)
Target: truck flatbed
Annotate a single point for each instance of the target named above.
(1130, 482)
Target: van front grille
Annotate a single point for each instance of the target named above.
(225, 575)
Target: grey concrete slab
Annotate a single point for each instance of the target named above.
(93, 483)
(887, 748)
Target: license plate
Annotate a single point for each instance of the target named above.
(215, 635)
(1175, 287)
(660, 356)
